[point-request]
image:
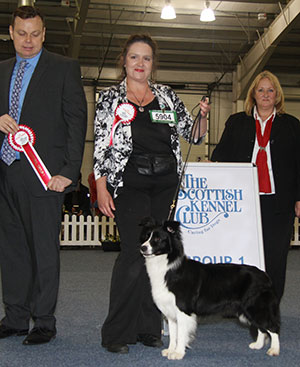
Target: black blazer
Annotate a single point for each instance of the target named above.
(237, 143)
(55, 108)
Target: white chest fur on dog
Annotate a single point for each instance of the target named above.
(181, 326)
(183, 288)
(157, 268)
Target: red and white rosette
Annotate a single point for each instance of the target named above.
(125, 113)
(23, 141)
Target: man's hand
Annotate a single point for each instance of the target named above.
(8, 124)
(59, 183)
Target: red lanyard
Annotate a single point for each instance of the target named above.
(261, 158)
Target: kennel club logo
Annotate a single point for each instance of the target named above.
(201, 207)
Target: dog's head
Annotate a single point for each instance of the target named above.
(159, 239)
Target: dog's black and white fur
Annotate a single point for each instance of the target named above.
(184, 289)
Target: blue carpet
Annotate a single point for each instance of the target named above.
(82, 307)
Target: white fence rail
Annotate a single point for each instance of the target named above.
(90, 231)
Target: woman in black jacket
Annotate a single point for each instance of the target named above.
(265, 135)
(137, 163)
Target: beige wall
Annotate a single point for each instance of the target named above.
(292, 101)
(87, 164)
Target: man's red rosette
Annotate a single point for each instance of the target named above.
(23, 141)
(125, 113)
(22, 137)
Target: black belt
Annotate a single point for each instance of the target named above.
(153, 164)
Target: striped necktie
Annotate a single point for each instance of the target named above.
(8, 154)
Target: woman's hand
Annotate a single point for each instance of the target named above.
(200, 129)
(105, 202)
(297, 209)
(205, 107)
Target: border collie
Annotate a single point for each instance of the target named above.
(184, 289)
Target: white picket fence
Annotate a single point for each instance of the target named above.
(90, 231)
(296, 235)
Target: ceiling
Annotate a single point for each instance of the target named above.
(94, 31)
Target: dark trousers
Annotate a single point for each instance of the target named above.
(277, 231)
(131, 309)
(29, 252)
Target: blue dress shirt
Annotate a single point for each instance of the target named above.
(29, 69)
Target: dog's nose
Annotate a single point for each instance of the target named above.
(143, 248)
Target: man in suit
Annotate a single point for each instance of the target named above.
(52, 103)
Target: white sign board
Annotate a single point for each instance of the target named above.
(219, 211)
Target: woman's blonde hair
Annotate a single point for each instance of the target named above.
(250, 100)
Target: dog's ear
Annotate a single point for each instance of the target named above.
(147, 222)
(171, 226)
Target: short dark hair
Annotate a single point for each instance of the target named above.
(145, 38)
(27, 12)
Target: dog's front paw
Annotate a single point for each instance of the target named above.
(273, 352)
(175, 355)
(172, 354)
(165, 352)
(256, 345)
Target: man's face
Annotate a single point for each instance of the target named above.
(28, 36)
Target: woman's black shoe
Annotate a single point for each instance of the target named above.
(150, 340)
(117, 348)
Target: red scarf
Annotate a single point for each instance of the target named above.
(261, 158)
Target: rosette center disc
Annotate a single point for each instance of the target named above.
(21, 137)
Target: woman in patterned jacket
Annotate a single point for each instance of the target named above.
(137, 162)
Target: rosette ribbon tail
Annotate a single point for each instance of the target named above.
(37, 164)
(23, 141)
(116, 122)
(125, 113)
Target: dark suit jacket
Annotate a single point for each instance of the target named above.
(55, 108)
(237, 143)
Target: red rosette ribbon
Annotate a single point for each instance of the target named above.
(125, 113)
(23, 141)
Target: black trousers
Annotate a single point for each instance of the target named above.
(131, 309)
(29, 251)
(277, 230)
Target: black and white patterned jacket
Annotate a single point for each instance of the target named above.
(110, 161)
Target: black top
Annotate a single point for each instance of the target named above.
(149, 137)
(237, 142)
